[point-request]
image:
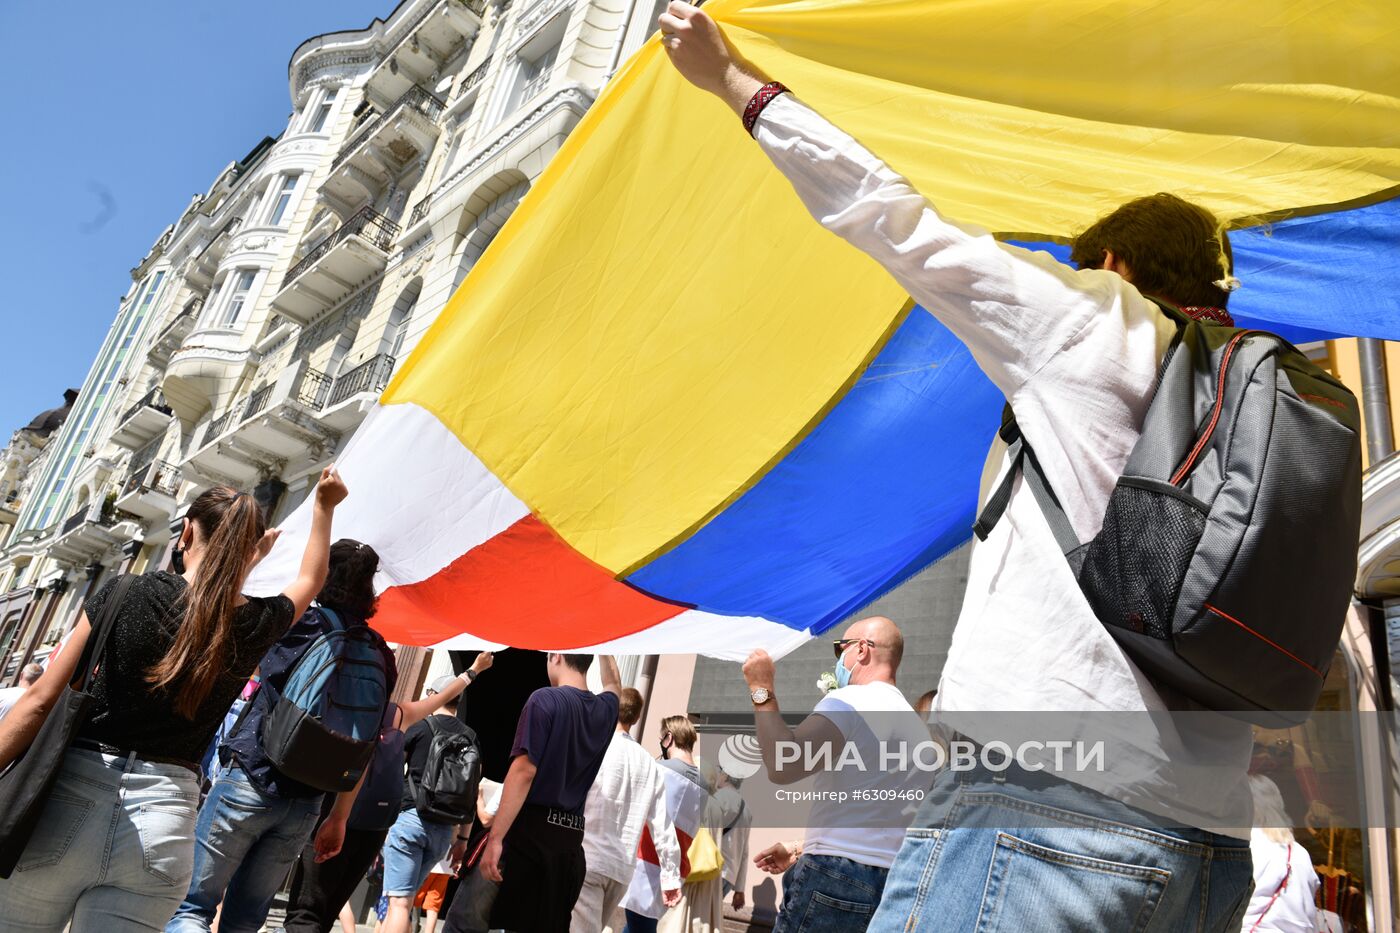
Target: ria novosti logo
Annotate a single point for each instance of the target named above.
(740, 757)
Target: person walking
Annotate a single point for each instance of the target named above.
(114, 846)
(27, 676)
(850, 846)
(321, 887)
(628, 794)
(534, 850)
(256, 819)
(700, 908)
(736, 822)
(416, 842)
(1077, 353)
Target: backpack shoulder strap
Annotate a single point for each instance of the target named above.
(336, 624)
(1023, 461)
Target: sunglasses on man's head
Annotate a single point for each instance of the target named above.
(841, 644)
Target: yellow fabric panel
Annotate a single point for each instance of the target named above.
(660, 320)
(1039, 117)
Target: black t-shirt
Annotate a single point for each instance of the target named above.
(416, 742)
(127, 711)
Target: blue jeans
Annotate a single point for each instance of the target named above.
(829, 894)
(636, 923)
(414, 846)
(1037, 853)
(112, 849)
(246, 843)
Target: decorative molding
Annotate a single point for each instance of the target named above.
(316, 63)
(574, 95)
(537, 14)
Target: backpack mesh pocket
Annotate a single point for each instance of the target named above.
(1133, 569)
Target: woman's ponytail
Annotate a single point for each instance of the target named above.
(232, 525)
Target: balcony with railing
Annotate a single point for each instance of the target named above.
(427, 45)
(149, 491)
(86, 533)
(419, 212)
(336, 266)
(147, 419)
(355, 392)
(378, 151)
(173, 334)
(271, 426)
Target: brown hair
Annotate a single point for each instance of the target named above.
(231, 524)
(682, 731)
(1174, 250)
(629, 706)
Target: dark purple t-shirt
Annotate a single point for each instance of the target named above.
(565, 731)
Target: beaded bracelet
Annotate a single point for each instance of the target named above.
(761, 99)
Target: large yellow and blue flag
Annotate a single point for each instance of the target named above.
(667, 412)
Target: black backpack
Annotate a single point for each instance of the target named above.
(451, 775)
(1228, 552)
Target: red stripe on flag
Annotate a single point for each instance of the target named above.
(646, 849)
(527, 588)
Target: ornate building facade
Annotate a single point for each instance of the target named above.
(263, 323)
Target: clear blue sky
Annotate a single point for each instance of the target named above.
(116, 114)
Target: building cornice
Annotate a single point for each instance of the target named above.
(574, 97)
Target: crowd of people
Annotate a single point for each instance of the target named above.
(231, 742)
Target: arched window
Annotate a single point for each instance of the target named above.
(397, 329)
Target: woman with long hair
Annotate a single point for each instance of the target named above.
(114, 845)
(321, 885)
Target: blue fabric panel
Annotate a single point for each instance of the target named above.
(885, 484)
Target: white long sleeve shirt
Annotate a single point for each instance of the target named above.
(1076, 354)
(628, 793)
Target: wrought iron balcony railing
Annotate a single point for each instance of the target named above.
(370, 376)
(366, 223)
(313, 389)
(476, 77)
(83, 515)
(425, 102)
(257, 401)
(420, 210)
(152, 399)
(158, 476)
(220, 425)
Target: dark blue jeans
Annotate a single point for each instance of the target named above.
(829, 894)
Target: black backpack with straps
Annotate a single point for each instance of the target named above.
(446, 792)
(1227, 557)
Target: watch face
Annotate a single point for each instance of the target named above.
(760, 695)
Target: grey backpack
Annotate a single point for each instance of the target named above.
(1227, 556)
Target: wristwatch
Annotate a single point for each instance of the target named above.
(760, 695)
(469, 674)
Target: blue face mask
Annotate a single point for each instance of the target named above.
(843, 673)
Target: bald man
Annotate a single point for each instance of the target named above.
(862, 803)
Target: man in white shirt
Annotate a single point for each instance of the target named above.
(1076, 352)
(628, 794)
(736, 821)
(9, 695)
(857, 823)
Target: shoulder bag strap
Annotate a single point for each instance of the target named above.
(101, 628)
(737, 817)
